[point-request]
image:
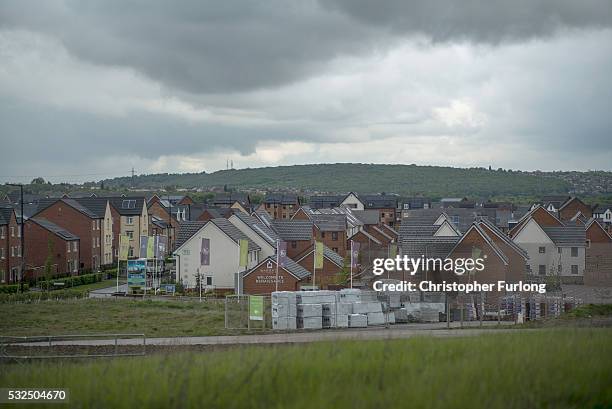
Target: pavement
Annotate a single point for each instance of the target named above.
(403, 331)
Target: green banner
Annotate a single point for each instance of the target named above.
(124, 247)
(318, 254)
(244, 252)
(151, 247)
(256, 305)
(392, 250)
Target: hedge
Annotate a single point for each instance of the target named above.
(34, 296)
(73, 281)
(12, 288)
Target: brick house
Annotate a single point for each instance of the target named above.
(159, 214)
(133, 218)
(598, 270)
(80, 221)
(332, 266)
(262, 278)
(10, 246)
(234, 200)
(572, 206)
(110, 237)
(297, 233)
(280, 205)
(386, 205)
(46, 240)
(541, 216)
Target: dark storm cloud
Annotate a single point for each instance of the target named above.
(218, 47)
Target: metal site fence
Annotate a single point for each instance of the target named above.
(72, 346)
(239, 314)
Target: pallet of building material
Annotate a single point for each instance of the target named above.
(284, 297)
(358, 320)
(284, 310)
(315, 297)
(369, 296)
(394, 300)
(328, 309)
(309, 310)
(414, 296)
(366, 307)
(344, 308)
(390, 317)
(284, 323)
(428, 314)
(401, 315)
(376, 318)
(348, 295)
(310, 322)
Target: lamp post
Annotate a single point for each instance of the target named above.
(22, 235)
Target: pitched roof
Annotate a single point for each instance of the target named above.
(263, 216)
(435, 246)
(230, 198)
(327, 253)
(128, 206)
(326, 201)
(367, 216)
(5, 214)
(43, 204)
(233, 232)
(368, 235)
(186, 230)
(380, 201)
(329, 222)
(504, 237)
(417, 230)
(281, 198)
(476, 227)
(54, 228)
(258, 227)
(291, 230)
(567, 236)
(291, 267)
(97, 205)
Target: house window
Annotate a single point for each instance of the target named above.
(335, 249)
(560, 250)
(19, 231)
(68, 247)
(19, 251)
(12, 231)
(129, 220)
(574, 251)
(209, 280)
(455, 220)
(2, 256)
(542, 269)
(322, 234)
(12, 251)
(130, 234)
(542, 249)
(334, 235)
(1, 232)
(74, 246)
(588, 244)
(93, 225)
(294, 244)
(131, 252)
(574, 269)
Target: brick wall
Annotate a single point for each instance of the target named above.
(262, 280)
(37, 250)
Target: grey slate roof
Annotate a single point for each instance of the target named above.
(378, 201)
(417, 230)
(258, 227)
(228, 199)
(42, 204)
(281, 198)
(233, 232)
(327, 253)
(290, 266)
(329, 222)
(293, 230)
(186, 230)
(5, 214)
(128, 205)
(55, 229)
(325, 201)
(97, 205)
(263, 216)
(367, 216)
(567, 236)
(428, 246)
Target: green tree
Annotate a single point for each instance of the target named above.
(38, 181)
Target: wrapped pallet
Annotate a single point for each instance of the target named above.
(284, 323)
(358, 321)
(309, 310)
(376, 318)
(310, 322)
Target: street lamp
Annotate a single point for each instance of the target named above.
(22, 235)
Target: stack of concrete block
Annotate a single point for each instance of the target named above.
(400, 315)
(310, 316)
(358, 320)
(284, 310)
(430, 312)
(348, 295)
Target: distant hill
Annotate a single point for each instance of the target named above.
(432, 181)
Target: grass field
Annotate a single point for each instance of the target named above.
(569, 368)
(87, 316)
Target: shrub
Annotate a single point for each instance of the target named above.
(73, 281)
(12, 288)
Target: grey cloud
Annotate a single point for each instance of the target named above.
(217, 47)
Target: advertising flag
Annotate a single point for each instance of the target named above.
(151, 247)
(124, 247)
(244, 252)
(318, 254)
(355, 253)
(160, 246)
(282, 253)
(144, 241)
(205, 252)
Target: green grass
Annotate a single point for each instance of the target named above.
(89, 316)
(568, 368)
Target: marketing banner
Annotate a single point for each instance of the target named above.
(151, 247)
(205, 252)
(256, 304)
(244, 252)
(355, 253)
(318, 254)
(137, 273)
(144, 241)
(160, 246)
(282, 253)
(392, 250)
(124, 247)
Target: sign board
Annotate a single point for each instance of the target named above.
(256, 303)
(168, 288)
(137, 273)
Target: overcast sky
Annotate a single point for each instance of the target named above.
(89, 90)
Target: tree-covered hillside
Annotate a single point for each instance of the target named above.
(431, 181)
